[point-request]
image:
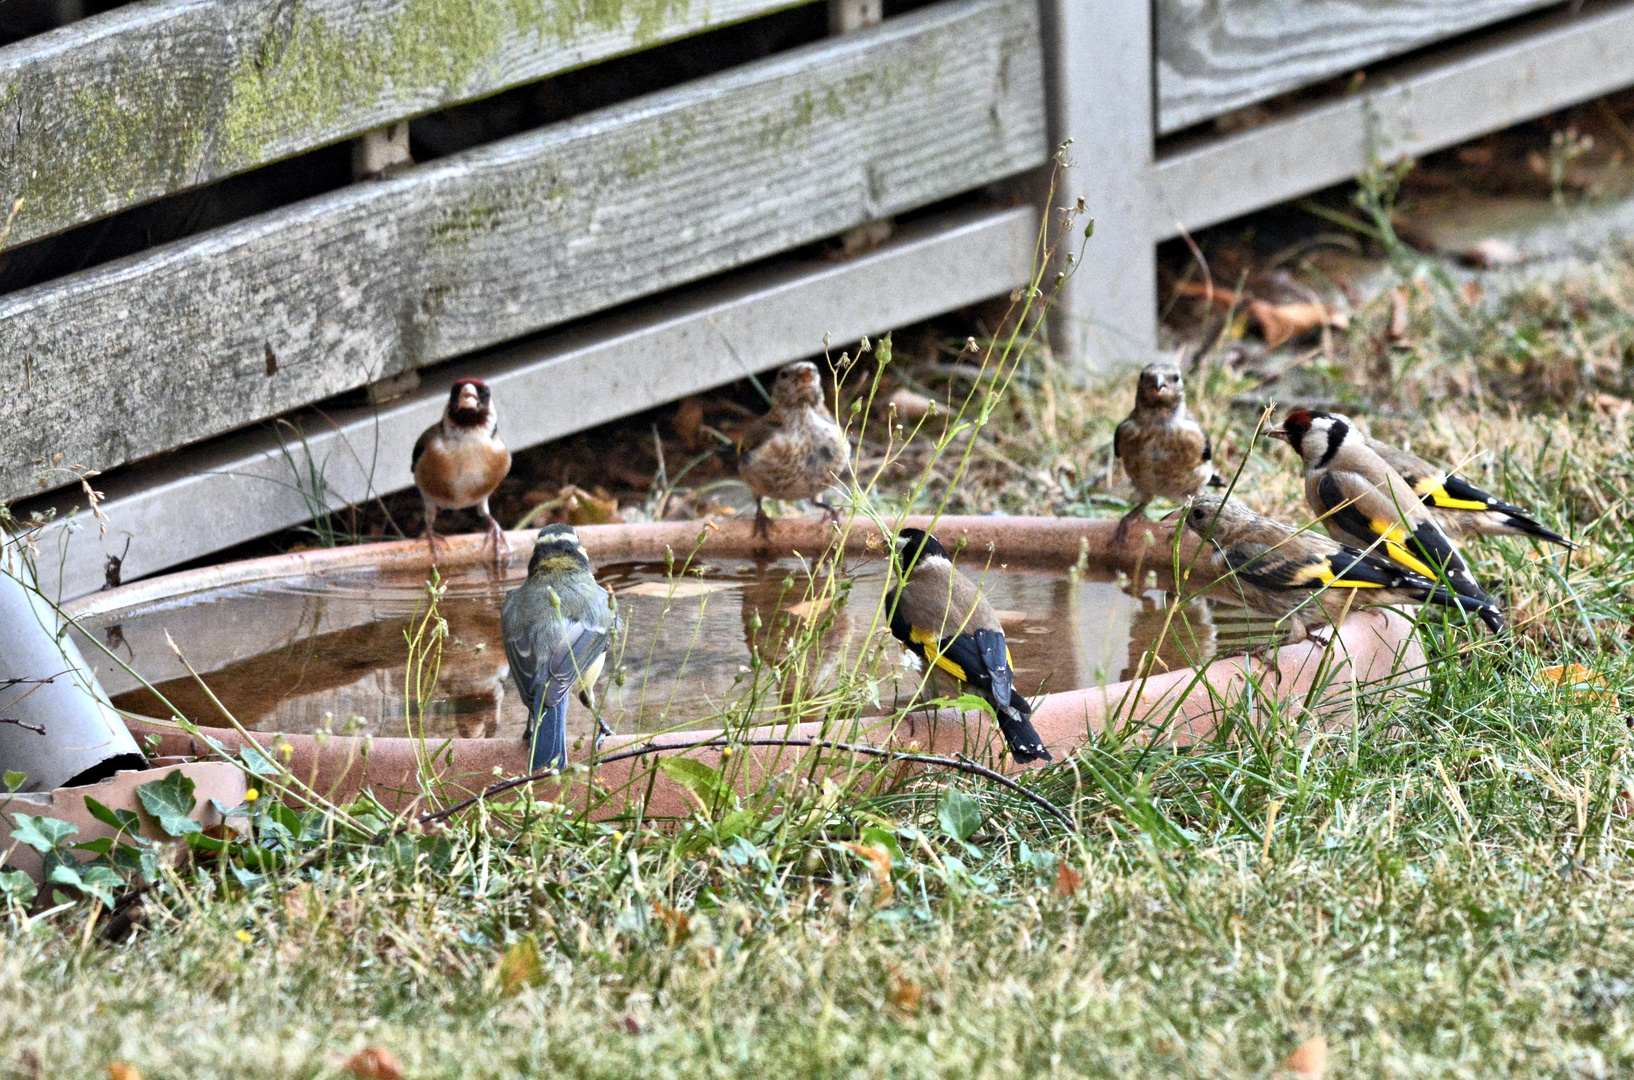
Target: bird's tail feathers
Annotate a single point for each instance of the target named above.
(1016, 725)
(1488, 612)
(549, 738)
(1524, 525)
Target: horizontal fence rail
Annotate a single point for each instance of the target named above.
(154, 98)
(245, 485)
(1446, 99)
(220, 331)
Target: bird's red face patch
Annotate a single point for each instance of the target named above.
(469, 403)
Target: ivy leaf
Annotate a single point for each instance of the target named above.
(171, 801)
(959, 815)
(125, 821)
(15, 779)
(18, 886)
(97, 881)
(41, 833)
(256, 762)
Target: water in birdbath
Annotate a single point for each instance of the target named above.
(328, 652)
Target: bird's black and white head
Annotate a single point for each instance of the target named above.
(1315, 436)
(915, 547)
(557, 550)
(1161, 386)
(798, 385)
(470, 404)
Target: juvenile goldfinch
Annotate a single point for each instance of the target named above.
(459, 460)
(795, 451)
(1365, 503)
(556, 627)
(946, 622)
(1462, 508)
(1303, 578)
(1163, 450)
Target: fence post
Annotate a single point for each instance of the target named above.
(1100, 80)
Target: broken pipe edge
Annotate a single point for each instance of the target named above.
(1372, 653)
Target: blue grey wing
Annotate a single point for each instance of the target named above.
(576, 652)
(522, 654)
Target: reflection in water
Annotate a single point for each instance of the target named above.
(328, 653)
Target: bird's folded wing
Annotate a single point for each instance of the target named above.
(575, 653)
(420, 445)
(1366, 511)
(754, 435)
(1453, 492)
(995, 655)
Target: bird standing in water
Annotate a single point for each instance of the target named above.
(1163, 450)
(1461, 508)
(944, 620)
(459, 460)
(1365, 503)
(1302, 578)
(795, 451)
(556, 627)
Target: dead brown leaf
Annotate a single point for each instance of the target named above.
(909, 406)
(375, 1063)
(904, 994)
(1283, 322)
(520, 967)
(118, 1070)
(879, 864)
(1216, 296)
(688, 419)
(677, 924)
(587, 508)
(1067, 880)
(1309, 1061)
(1400, 313)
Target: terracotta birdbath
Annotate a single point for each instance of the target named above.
(1316, 682)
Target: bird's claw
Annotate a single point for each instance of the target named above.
(432, 539)
(496, 537)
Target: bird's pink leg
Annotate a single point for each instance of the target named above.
(430, 533)
(763, 524)
(496, 535)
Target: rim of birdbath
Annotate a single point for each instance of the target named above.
(1373, 649)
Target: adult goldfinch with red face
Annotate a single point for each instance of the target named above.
(943, 619)
(459, 460)
(1301, 577)
(1365, 503)
(1162, 449)
(1462, 508)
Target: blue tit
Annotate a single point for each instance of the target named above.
(556, 628)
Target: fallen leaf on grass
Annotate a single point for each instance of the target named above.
(677, 924)
(519, 968)
(1067, 880)
(1283, 322)
(904, 994)
(1580, 683)
(375, 1063)
(1309, 1061)
(118, 1070)
(879, 864)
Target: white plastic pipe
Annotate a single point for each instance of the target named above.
(57, 726)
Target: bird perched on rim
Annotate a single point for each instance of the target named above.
(556, 626)
(944, 620)
(1363, 502)
(459, 460)
(1303, 577)
(1460, 507)
(1163, 450)
(795, 451)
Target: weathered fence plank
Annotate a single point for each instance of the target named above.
(1438, 102)
(1217, 55)
(220, 331)
(154, 98)
(240, 486)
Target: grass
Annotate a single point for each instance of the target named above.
(1443, 889)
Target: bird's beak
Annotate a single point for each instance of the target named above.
(1279, 434)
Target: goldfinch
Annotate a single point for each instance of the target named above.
(556, 626)
(1163, 450)
(795, 451)
(459, 460)
(1365, 503)
(1463, 509)
(1302, 578)
(944, 620)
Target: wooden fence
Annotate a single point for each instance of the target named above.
(670, 228)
